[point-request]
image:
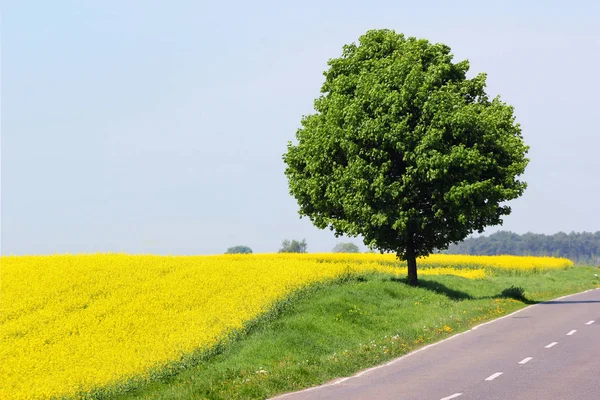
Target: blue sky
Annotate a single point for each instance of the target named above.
(158, 127)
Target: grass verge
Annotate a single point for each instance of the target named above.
(337, 328)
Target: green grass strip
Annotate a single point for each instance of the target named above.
(337, 328)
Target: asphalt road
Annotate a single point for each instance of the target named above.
(547, 351)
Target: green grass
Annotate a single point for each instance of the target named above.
(338, 328)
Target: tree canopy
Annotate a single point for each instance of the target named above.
(405, 150)
(239, 250)
(294, 246)
(580, 247)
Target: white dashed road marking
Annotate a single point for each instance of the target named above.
(455, 395)
(492, 377)
(572, 332)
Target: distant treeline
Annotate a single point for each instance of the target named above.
(581, 248)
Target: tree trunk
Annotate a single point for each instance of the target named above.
(411, 260)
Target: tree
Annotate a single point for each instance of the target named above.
(239, 250)
(404, 150)
(346, 248)
(293, 247)
(580, 247)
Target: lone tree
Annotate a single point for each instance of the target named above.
(293, 247)
(239, 250)
(404, 150)
(346, 248)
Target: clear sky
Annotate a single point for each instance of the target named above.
(158, 127)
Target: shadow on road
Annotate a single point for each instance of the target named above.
(570, 301)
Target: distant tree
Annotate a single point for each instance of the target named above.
(239, 250)
(404, 149)
(581, 248)
(293, 247)
(346, 248)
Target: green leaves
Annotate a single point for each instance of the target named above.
(403, 149)
(239, 250)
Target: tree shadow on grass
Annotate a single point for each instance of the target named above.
(445, 290)
(515, 293)
(512, 292)
(438, 288)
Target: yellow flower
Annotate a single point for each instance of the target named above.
(76, 322)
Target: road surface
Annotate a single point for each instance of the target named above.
(547, 351)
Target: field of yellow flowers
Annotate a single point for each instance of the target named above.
(70, 323)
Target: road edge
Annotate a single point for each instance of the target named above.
(337, 381)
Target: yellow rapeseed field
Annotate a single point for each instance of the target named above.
(71, 323)
(501, 263)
